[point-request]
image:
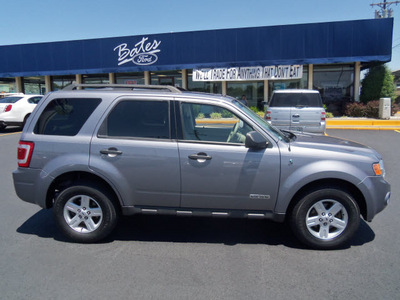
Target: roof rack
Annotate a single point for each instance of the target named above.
(132, 87)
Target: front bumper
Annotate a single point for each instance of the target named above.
(377, 194)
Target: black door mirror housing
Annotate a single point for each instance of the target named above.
(255, 140)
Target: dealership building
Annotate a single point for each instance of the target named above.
(252, 61)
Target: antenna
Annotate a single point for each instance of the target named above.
(385, 11)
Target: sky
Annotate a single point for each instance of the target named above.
(29, 21)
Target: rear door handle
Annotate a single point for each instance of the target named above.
(111, 152)
(296, 116)
(200, 157)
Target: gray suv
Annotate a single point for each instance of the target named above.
(94, 153)
(297, 110)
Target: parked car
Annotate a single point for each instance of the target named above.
(95, 152)
(15, 110)
(297, 110)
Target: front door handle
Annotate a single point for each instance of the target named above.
(111, 152)
(200, 157)
(296, 116)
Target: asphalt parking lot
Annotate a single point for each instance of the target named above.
(151, 257)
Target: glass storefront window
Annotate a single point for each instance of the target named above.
(251, 91)
(60, 82)
(130, 78)
(203, 86)
(173, 78)
(334, 82)
(336, 85)
(95, 79)
(7, 85)
(34, 85)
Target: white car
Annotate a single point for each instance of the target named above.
(15, 110)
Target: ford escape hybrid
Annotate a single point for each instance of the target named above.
(95, 152)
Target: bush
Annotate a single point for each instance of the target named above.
(329, 115)
(215, 115)
(395, 108)
(369, 110)
(355, 110)
(372, 109)
(226, 114)
(254, 108)
(261, 113)
(377, 83)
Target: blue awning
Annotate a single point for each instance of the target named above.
(316, 43)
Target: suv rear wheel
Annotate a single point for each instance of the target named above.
(325, 219)
(85, 213)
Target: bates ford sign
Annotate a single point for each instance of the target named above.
(142, 54)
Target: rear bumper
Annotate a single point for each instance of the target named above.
(29, 185)
(303, 128)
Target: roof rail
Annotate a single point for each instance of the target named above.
(132, 87)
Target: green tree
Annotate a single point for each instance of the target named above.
(377, 83)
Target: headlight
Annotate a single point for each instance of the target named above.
(379, 169)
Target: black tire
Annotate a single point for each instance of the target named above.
(85, 213)
(325, 219)
(24, 121)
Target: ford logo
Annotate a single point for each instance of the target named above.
(144, 52)
(144, 59)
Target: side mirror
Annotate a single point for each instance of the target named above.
(255, 140)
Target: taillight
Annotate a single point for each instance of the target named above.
(268, 115)
(323, 116)
(25, 150)
(8, 108)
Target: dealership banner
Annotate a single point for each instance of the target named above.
(249, 73)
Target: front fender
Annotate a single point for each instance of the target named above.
(293, 178)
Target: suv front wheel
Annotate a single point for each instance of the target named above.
(85, 213)
(325, 218)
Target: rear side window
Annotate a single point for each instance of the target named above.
(138, 119)
(34, 100)
(65, 116)
(296, 100)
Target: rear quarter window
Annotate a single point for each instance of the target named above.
(65, 116)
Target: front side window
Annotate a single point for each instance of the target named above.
(138, 119)
(210, 123)
(65, 116)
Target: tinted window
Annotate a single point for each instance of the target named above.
(10, 99)
(34, 100)
(296, 100)
(138, 119)
(212, 123)
(65, 116)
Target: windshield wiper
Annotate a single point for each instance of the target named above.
(290, 135)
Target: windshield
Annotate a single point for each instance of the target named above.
(263, 123)
(10, 99)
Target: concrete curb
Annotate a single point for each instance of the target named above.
(363, 124)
